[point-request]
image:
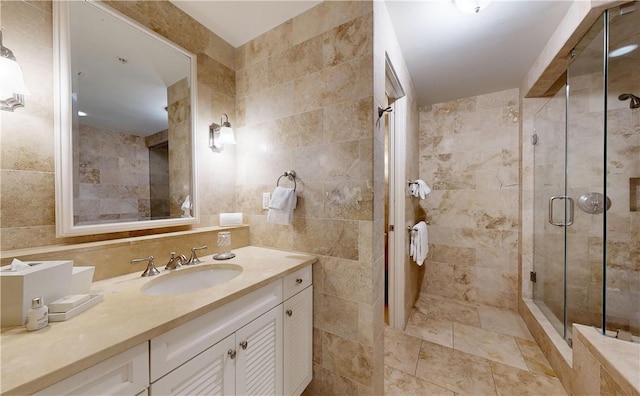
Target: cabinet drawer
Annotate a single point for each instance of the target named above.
(297, 281)
(177, 346)
(124, 374)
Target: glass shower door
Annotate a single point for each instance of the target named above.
(548, 239)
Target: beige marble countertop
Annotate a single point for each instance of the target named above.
(31, 361)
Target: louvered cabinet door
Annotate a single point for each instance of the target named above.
(298, 342)
(212, 372)
(259, 361)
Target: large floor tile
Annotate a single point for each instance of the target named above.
(455, 370)
(535, 359)
(503, 321)
(401, 350)
(487, 344)
(457, 311)
(512, 381)
(398, 383)
(436, 330)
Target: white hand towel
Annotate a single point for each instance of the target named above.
(287, 201)
(423, 189)
(279, 197)
(419, 246)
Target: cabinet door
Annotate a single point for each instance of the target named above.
(298, 342)
(259, 364)
(210, 373)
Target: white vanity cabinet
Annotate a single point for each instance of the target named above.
(298, 331)
(124, 374)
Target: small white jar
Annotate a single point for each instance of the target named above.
(37, 315)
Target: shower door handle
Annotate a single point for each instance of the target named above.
(568, 218)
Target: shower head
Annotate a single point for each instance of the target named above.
(635, 101)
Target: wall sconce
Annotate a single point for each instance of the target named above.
(219, 135)
(11, 82)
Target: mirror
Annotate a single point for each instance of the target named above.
(125, 119)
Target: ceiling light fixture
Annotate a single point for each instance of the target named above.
(11, 81)
(219, 135)
(471, 6)
(623, 50)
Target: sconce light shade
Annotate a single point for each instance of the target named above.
(219, 135)
(12, 85)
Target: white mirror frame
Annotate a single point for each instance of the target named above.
(65, 226)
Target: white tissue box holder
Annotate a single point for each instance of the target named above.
(50, 280)
(81, 280)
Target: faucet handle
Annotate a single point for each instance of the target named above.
(151, 269)
(194, 257)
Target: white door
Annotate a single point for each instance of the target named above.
(259, 360)
(212, 372)
(298, 342)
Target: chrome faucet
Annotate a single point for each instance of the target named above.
(175, 262)
(194, 257)
(151, 269)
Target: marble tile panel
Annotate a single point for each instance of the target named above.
(252, 79)
(510, 381)
(216, 75)
(349, 80)
(397, 382)
(455, 370)
(336, 238)
(401, 350)
(27, 143)
(435, 330)
(608, 385)
(335, 162)
(347, 279)
(270, 235)
(299, 130)
(335, 315)
(347, 358)
(326, 16)
(270, 43)
(295, 62)
(349, 40)
(438, 278)
(27, 198)
(352, 200)
(452, 254)
(221, 51)
(310, 92)
(349, 120)
(487, 344)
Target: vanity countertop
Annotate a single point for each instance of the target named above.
(32, 361)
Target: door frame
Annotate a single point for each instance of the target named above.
(397, 235)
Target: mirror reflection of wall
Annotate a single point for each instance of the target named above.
(131, 113)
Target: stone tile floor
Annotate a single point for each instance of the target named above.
(458, 348)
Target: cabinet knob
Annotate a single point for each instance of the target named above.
(231, 353)
(243, 344)
(298, 280)
(289, 312)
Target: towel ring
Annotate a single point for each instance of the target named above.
(291, 175)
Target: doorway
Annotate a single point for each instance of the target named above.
(395, 233)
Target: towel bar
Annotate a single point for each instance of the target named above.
(291, 175)
(410, 229)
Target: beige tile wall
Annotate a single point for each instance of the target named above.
(469, 155)
(305, 103)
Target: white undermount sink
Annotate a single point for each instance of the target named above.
(191, 279)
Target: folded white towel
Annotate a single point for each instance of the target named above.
(419, 245)
(419, 189)
(283, 201)
(279, 197)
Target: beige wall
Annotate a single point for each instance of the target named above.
(304, 102)
(469, 156)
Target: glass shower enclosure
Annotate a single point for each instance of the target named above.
(587, 184)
